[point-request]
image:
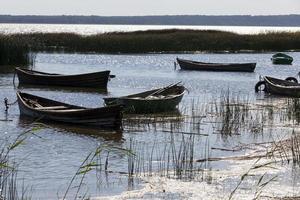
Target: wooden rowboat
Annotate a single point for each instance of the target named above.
(202, 66)
(95, 80)
(46, 109)
(281, 87)
(152, 101)
(282, 59)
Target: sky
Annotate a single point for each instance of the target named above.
(149, 7)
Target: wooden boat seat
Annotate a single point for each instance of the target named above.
(52, 108)
(59, 109)
(38, 106)
(33, 103)
(68, 110)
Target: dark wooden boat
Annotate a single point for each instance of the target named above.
(152, 101)
(281, 59)
(281, 87)
(94, 80)
(229, 67)
(46, 109)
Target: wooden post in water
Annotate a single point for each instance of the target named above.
(6, 104)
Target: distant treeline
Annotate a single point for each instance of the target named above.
(225, 20)
(166, 41)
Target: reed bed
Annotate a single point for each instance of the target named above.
(231, 112)
(15, 50)
(20, 49)
(228, 115)
(172, 40)
(286, 150)
(173, 159)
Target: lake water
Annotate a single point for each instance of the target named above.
(95, 29)
(51, 156)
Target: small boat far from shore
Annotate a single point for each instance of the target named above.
(281, 59)
(224, 67)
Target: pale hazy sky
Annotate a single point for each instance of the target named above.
(149, 7)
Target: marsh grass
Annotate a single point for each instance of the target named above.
(172, 160)
(15, 51)
(228, 115)
(10, 186)
(177, 155)
(92, 163)
(20, 49)
(172, 40)
(261, 182)
(293, 110)
(286, 150)
(232, 113)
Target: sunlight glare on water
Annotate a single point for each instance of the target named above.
(96, 29)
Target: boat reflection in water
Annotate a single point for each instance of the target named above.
(103, 91)
(107, 135)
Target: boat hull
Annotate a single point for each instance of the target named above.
(226, 67)
(92, 80)
(138, 106)
(282, 87)
(281, 61)
(134, 104)
(106, 117)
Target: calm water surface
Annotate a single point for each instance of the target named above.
(51, 157)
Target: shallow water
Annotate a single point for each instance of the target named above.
(50, 157)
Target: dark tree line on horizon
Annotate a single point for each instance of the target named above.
(222, 20)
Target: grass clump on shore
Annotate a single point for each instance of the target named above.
(172, 40)
(14, 51)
